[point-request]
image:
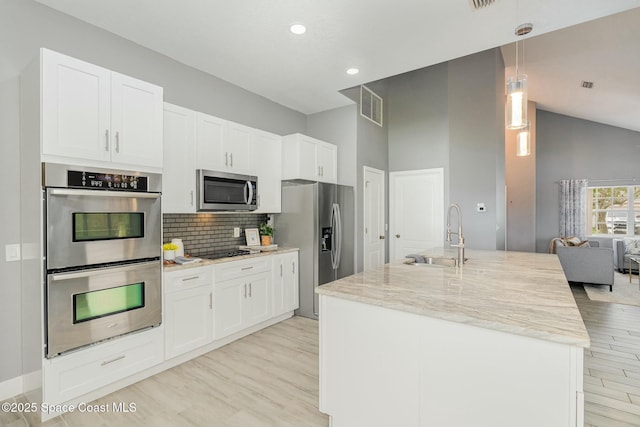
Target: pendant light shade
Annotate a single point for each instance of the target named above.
(516, 110)
(523, 142)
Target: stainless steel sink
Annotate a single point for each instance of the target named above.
(429, 261)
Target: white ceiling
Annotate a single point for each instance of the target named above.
(247, 42)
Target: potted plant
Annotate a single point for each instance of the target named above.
(169, 251)
(266, 234)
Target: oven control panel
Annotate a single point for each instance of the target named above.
(106, 181)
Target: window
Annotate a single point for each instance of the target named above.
(614, 210)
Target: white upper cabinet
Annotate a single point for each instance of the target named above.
(308, 158)
(93, 116)
(179, 170)
(222, 145)
(265, 162)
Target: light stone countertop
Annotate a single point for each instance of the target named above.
(515, 292)
(205, 261)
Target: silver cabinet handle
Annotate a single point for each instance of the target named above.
(106, 138)
(293, 267)
(106, 362)
(247, 268)
(190, 278)
(249, 290)
(381, 237)
(280, 270)
(319, 171)
(231, 157)
(117, 142)
(245, 290)
(211, 300)
(226, 159)
(191, 197)
(322, 170)
(397, 236)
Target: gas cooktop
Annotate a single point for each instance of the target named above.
(226, 254)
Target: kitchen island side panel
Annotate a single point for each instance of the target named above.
(380, 367)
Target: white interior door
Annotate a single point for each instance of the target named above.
(416, 211)
(374, 203)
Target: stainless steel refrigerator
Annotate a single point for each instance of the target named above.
(318, 219)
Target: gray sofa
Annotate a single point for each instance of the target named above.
(621, 257)
(592, 265)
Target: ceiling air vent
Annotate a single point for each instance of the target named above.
(586, 85)
(479, 4)
(370, 105)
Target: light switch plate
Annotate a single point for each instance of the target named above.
(236, 231)
(12, 252)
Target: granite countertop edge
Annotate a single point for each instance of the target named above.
(205, 261)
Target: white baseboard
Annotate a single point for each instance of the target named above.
(11, 388)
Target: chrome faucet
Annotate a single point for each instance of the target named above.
(460, 244)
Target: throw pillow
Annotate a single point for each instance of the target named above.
(630, 244)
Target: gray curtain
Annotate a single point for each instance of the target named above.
(573, 208)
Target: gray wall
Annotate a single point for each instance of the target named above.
(571, 148)
(338, 126)
(476, 146)
(451, 116)
(25, 26)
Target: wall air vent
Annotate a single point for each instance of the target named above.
(370, 105)
(479, 4)
(586, 85)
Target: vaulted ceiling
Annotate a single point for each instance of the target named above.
(248, 43)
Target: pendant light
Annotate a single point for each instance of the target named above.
(516, 109)
(523, 142)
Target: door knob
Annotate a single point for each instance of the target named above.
(397, 236)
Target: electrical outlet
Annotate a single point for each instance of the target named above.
(236, 231)
(480, 207)
(12, 252)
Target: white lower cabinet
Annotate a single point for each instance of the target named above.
(241, 303)
(285, 283)
(188, 310)
(241, 294)
(70, 376)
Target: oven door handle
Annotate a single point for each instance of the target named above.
(86, 273)
(94, 193)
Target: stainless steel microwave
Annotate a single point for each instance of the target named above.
(222, 191)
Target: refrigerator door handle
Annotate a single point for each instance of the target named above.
(333, 237)
(338, 236)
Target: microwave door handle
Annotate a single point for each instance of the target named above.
(249, 199)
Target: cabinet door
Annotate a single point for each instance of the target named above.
(178, 171)
(188, 320)
(258, 302)
(290, 282)
(236, 147)
(75, 108)
(327, 155)
(308, 160)
(265, 162)
(229, 300)
(136, 121)
(209, 136)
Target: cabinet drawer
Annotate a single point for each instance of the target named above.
(187, 279)
(234, 269)
(73, 375)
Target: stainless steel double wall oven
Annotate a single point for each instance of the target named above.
(103, 254)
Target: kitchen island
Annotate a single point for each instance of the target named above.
(497, 342)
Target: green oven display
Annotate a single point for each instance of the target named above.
(88, 226)
(105, 302)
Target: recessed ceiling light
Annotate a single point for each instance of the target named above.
(352, 71)
(298, 29)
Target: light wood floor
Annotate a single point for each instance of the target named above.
(271, 379)
(612, 364)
